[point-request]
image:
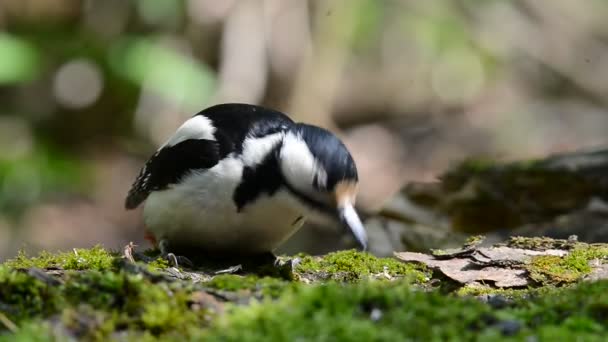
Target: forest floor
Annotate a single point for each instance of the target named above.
(524, 289)
(503, 287)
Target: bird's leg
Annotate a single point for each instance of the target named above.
(174, 260)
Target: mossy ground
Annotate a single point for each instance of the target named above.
(479, 196)
(347, 296)
(352, 266)
(96, 258)
(555, 270)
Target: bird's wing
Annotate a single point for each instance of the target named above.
(193, 146)
(169, 164)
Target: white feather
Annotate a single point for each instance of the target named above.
(198, 127)
(201, 210)
(299, 165)
(256, 149)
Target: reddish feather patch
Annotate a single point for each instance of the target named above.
(150, 238)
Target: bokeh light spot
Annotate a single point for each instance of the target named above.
(78, 84)
(18, 59)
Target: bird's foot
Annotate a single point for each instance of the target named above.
(178, 260)
(174, 260)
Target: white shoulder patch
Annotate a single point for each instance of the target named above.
(299, 165)
(256, 149)
(198, 127)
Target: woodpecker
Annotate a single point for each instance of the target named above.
(241, 179)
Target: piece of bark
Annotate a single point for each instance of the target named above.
(465, 271)
(43, 276)
(128, 250)
(450, 253)
(506, 256)
(600, 271)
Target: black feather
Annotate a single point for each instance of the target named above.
(236, 121)
(168, 165)
(330, 152)
(264, 178)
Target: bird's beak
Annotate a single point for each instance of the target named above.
(350, 219)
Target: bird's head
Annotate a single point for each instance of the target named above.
(321, 173)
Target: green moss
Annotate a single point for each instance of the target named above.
(155, 306)
(159, 264)
(34, 331)
(439, 252)
(23, 296)
(352, 265)
(94, 304)
(549, 269)
(554, 269)
(483, 290)
(541, 243)
(86, 323)
(383, 311)
(23, 261)
(265, 286)
(119, 290)
(366, 311)
(480, 290)
(474, 240)
(581, 309)
(96, 258)
(167, 310)
(354, 301)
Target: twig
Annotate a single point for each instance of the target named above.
(8, 323)
(128, 251)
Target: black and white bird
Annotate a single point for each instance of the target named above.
(241, 179)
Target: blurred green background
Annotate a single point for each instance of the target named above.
(88, 89)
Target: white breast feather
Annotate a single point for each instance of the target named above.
(201, 208)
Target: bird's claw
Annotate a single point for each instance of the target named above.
(177, 260)
(174, 260)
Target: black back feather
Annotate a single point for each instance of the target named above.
(237, 121)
